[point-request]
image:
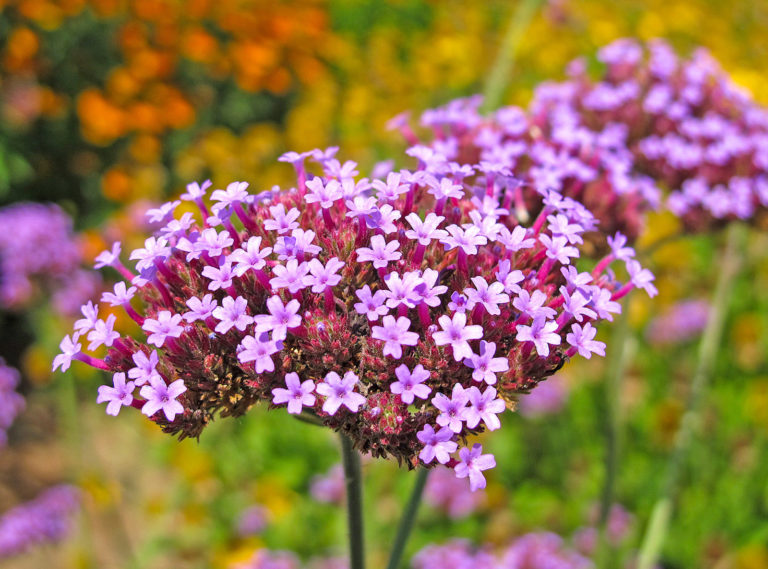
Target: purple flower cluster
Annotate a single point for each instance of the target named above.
(401, 311)
(684, 121)
(40, 255)
(11, 403)
(530, 551)
(529, 155)
(681, 322)
(46, 519)
(270, 559)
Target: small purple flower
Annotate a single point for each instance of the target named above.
(410, 383)
(108, 258)
(220, 277)
(380, 253)
(542, 333)
(395, 335)
(402, 290)
(489, 296)
(292, 276)
(425, 231)
(467, 239)
(103, 333)
(583, 340)
(641, 278)
(338, 392)
(533, 304)
(372, 305)
(70, 347)
(90, 316)
(232, 313)
(485, 366)
(280, 319)
(281, 221)
(200, 309)
(484, 407)
(458, 302)
(557, 248)
(195, 191)
(163, 213)
(437, 445)
(235, 193)
(146, 367)
(249, 257)
(453, 410)
(120, 394)
(323, 276)
(259, 349)
(159, 396)
(324, 194)
(298, 395)
(167, 324)
(154, 249)
(456, 333)
(472, 464)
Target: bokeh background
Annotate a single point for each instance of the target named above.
(108, 107)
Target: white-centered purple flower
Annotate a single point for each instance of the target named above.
(162, 397)
(484, 407)
(472, 463)
(457, 334)
(489, 296)
(410, 384)
(103, 333)
(323, 276)
(220, 277)
(427, 230)
(437, 445)
(299, 394)
(281, 317)
(380, 252)
(372, 305)
(395, 334)
(542, 333)
(200, 309)
(340, 391)
(485, 366)
(121, 393)
(146, 367)
(282, 221)
(232, 314)
(249, 257)
(582, 339)
(453, 409)
(259, 350)
(292, 275)
(166, 325)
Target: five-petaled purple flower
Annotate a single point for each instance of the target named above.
(340, 391)
(472, 464)
(298, 395)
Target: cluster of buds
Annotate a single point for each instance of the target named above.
(531, 154)
(403, 312)
(39, 255)
(686, 124)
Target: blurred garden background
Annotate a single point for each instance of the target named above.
(109, 107)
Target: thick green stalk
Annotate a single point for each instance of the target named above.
(408, 519)
(658, 526)
(501, 71)
(354, 481)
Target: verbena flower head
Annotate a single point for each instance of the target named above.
(46, 519)
(11, 403)
(39, 254)
(684, 122)
(521, 157)
(345, 307)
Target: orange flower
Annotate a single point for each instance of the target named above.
(100, 121)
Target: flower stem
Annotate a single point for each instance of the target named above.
(354, 482)
(501, 72)
(408, 519)
(622, 351)
(658, 525)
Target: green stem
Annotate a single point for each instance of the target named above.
(658, 525)
(408, 519)
(501, 71)
(622, 350)
(354, 481)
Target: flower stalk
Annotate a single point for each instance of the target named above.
(408, 520)
(658, 526)
(353, 479)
